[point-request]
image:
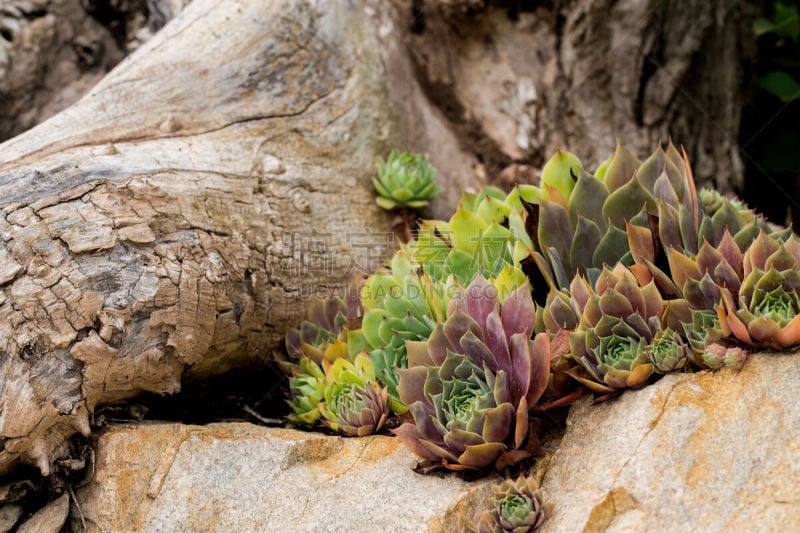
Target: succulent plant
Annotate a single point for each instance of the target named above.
(306, 387)
(563, 307)
(469, 388)
(515, 506)
(322, 338)
(405, 180)
(701, 277)
(713, 201)
(618, 321)
(716, 356)
(635, 213)
(767, 310)
(354, 402)
(486, 235)
(324, 333)
(582, 231)
(668, 351)
(701, 331)
(400, 304)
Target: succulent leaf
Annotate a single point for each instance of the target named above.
(469, 394)
(515, 506)
(355, 404)
(405, 180)
(561, 172)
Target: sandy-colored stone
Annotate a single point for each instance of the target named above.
(241, 477)
(710, 452)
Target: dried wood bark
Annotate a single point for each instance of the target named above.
(53, 51)
(521, 79)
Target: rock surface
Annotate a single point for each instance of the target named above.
(697, 452)
(241, 477)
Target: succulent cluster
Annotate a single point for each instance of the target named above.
(515, 506)
(400, 305)
(332, 380)
(598, 282)
(633, 213)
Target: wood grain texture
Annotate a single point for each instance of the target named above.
(53, 51)
(522, 82)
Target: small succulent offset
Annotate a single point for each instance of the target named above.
(306, 389)
(471, 385)
(354, 403)
(716, 356)
(325, 332)
(514, 507)
(405, 180)
(668, 351)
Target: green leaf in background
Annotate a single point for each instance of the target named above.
(781, 85)
(784, 22)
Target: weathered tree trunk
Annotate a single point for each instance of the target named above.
(177, 215)
(173, 220)
(520, 83)
(53, 51)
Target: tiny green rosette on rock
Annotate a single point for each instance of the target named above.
(515, 506)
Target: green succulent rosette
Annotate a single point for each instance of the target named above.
(354, 404)
(486, 236)
(618, 321)
(322, 338)
(306, 389)
(325, 333)
(400, 305)
(767, 310)
(668, 352)
(405, 180)
(469, 388)
(703, 330)
(515, 506)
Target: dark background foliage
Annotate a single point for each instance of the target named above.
(770, 132)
